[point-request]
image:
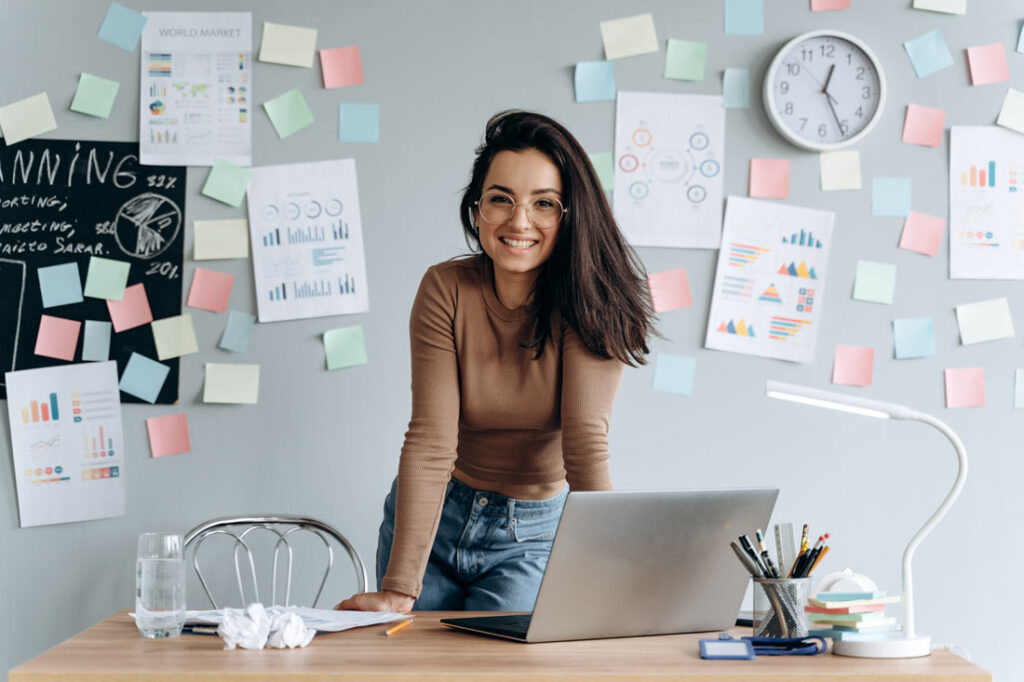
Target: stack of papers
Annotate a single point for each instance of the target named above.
(851, 616)
(322, 620)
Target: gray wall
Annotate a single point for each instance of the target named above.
(326, 444)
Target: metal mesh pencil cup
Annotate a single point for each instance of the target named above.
(779, 607)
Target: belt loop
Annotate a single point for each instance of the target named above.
(511, 509)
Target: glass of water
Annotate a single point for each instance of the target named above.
(160, 585)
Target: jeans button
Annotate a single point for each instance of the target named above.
(482, 501)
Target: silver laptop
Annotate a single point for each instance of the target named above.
(627, 563)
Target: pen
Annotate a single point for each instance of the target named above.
(803, 540)
(745, 559)
(810, 557)
(199, 630)
(765, 557)
(749, 549)
(398, 628)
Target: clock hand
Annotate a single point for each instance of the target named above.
(818, 82)
(828, 79)
(830, 99)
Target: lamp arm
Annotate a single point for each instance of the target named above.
(958, 484)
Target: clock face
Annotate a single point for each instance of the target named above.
(824, 90)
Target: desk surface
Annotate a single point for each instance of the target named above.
(430, 652)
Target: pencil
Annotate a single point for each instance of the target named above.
(821, 555)
(398, 628)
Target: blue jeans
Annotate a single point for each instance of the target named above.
(490, 551)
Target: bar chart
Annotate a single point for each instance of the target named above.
(311, 234)
(979, 176)
(272, 238)
(805, 238)
(96, 444)
(41, 410)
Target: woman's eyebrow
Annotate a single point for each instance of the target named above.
(545, 190)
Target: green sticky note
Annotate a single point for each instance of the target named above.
(605, 167)
(94, 96)
(227, 182)
(685, 60)
(345, 347)
(289, 113)
(875, 282)
(107, 278)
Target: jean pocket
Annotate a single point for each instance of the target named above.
(528, 529)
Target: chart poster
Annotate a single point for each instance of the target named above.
(65, 201)
(195, 90)
(67, 443)
(986, 203)
(669, 151)
(770, 280)
(307, 240)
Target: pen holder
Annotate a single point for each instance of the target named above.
(779, 607)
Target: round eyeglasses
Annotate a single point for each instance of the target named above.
(543, 212)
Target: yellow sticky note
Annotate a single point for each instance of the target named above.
(840, 170)
(629, 36)
(174, 337)
(27, 118)
(232, 383)
(1012, 114)
(221, 239)
(288, 45)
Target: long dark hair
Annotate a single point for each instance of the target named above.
(593, 279)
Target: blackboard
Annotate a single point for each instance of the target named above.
(64, 201)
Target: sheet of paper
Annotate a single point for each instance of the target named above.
(143, 377)
(358, 122)
(341, 66)
(595, 81)
(670, 151)
(988, 64)
(322, 620)
(840, 170)
(965, 387)
(1018, 392)
(168, 435)
(684, 60)
(132, 310)
(913, 338)
(1020, 38)
(307, 241)
(1011, 115)
(289, 113)
(27, 118)
(853, 365)
(769, 178)
(67, 443)
(220, 239)
(928, 53)
(890, 197)
(674, 374)
(984, 321)
(122, 27)
(57, 337)
(345, 347)
(946, 6)
(874, 282)
(770, 280)
(232, 384)
(60, 284)
(924, 125)
(106, 278)
(227, 183)
(96, 341)
(210, 290)
(744, 17)
(736, 89)
(288, 45)
(669, 290)
(829, 5)
(629, 36)
(174, 336)
(95, 96)
(237, 331)
(195, 94)
(604, 166)
(922, 233)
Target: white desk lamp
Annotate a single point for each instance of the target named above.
(909, 643)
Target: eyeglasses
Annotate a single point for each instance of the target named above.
(543, 212)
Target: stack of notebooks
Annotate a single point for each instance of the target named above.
(850, 616)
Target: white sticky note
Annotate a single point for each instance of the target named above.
(629, 36)
(946, 6)
(27, 118)
(1018, 392)
(216, 239)
(1012, 114)
(174, 337)
(288, 45)
(840, 170)
(232, 384)
(984, 321)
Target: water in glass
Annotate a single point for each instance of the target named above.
(160, 589)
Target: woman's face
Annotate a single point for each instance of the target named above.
(525, 177)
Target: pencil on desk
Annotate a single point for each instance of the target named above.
(398, 628)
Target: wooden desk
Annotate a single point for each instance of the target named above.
(430, 652)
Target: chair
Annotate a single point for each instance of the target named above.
(285, 528)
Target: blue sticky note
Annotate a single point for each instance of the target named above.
(60, 284)
(914, 338)
(736, 89)
(1020, 40)
(143, 378)
(122, 27)
(890, 197)
(674, 374)
(1018, 395)
(96, 341)
(358, 122)
(236, 331)
(744, 17)
(928, 53)
(595, 81)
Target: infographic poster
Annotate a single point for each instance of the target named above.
(669, 151)
(770, 280)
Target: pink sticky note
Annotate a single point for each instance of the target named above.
(669, 290)
(965, 387)
(57, 337)
(210, 290)
(853, 365)
(924, 125)
(988, 64)
(827, 5)
(168, 435)
(132, 310)
(341, 66)
(769, 178)
(922, 233)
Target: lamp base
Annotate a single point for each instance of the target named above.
(894, 647)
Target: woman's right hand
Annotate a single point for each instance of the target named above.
(387, 600)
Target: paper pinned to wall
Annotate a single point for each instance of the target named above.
(27, 118)
(174, 336)
(232, 384)
(219, 239)
(629, 36)
(669, 290)
(288, 45)
(674, 374)
(57, 337)
(984, 321)
(168, 435)
(965, 387)
(853, 365)
(143, 377)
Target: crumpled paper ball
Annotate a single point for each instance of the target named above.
(288, 631)
(254, 628)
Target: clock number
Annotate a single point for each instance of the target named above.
(849, 58)
(828, 51)
(803, 122)
(788, 108)
(860, 112)
(844, 126)
(807, 55)
(860, 73)
(784, 87)
(792, 69)
(822, 130)
(865, 92)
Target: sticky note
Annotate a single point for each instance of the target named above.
(345, 347)
(94, 96)
(96, 341)
(988, 64)
(106, 278)
(946, 6)
(769, 178)
(288, 45)
(736, 89)
(217, 239)
(853, 365)
(629, 36)
(234, 384)
(875, 282)
(341, 66)
(1011, 115)
(237, 331)
(289, 113)
(674, 374)
(965, 387)
(684, 60)
(928, 53)
(669, 290)
(60, 284)
(922, 233)
(604, 165)
(122, 27)
(174, 336)
(132, 310)
(829, 5)
(227, 182)
(840, 170)
(1020, 39)
(744, 17)
(984, 321)
(913, 338)
(924, 125)
(168, 435)
(210, 290)
(57, 337)
(27, 118)
(595, 81)
(143, 377)
(358, 122)
(890, 197)
(1018, 393)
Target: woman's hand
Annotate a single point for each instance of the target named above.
(378, 601)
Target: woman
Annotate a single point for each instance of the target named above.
(517, 353)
